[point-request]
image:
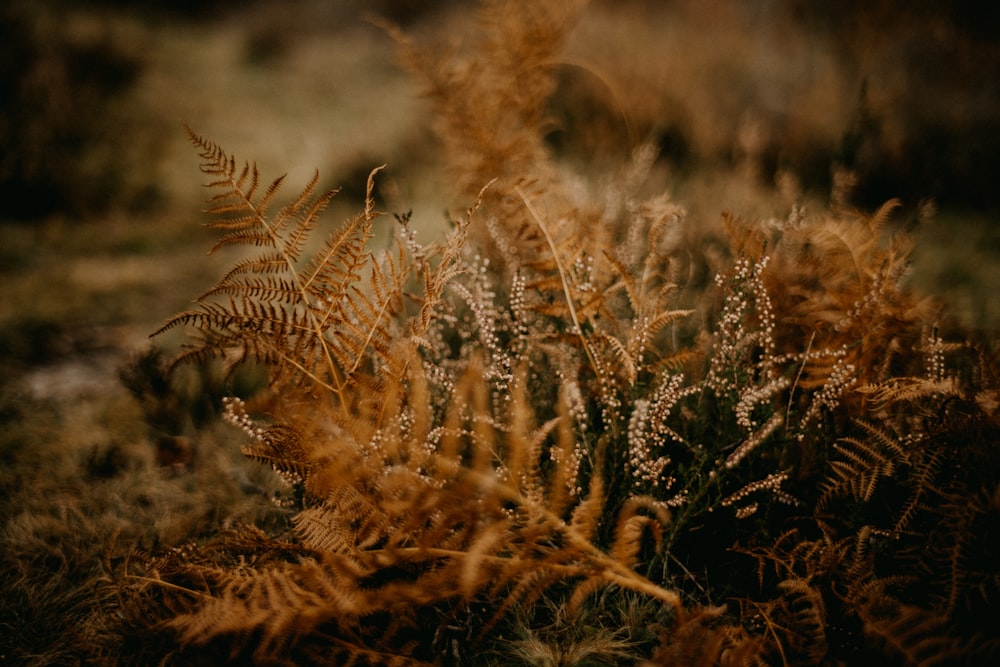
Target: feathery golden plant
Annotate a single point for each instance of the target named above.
(898, 546)
(417, 489)
(525, 414)
(306, 320)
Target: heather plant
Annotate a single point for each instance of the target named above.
(536, 424)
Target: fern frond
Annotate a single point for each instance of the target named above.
(313, 323)
(889, 442)
(585, 589)
(345, 522)
(916, 636)
(861, 463)
(923, 479)
(806, 613)
(586, 515)
(621, 358)
(908, 389)
(449, 266)
(338, 263)
(279, 604)
(878, 220)
(654, 325)
(490, 541)
(632, 527)
(303, 214)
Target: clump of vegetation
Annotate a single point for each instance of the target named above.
(560, 434)
(521, 431)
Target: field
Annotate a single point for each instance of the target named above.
(667, 334)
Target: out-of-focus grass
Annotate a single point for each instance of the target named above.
(80, 483)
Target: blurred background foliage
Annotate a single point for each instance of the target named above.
(907, 99)
(753, 105)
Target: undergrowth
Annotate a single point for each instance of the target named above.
(538, 440)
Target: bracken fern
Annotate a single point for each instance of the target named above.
(538, 413)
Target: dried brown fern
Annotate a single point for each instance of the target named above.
(405, 507)
(307, 320)
(838, 280)
(411, 540)
(910, 633)
(466, 435)
(861, 463)
(510, 66)
(898, 553)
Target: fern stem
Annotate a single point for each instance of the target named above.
(609, 568)
(166, 584)
(798, 376)
(562, 278)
